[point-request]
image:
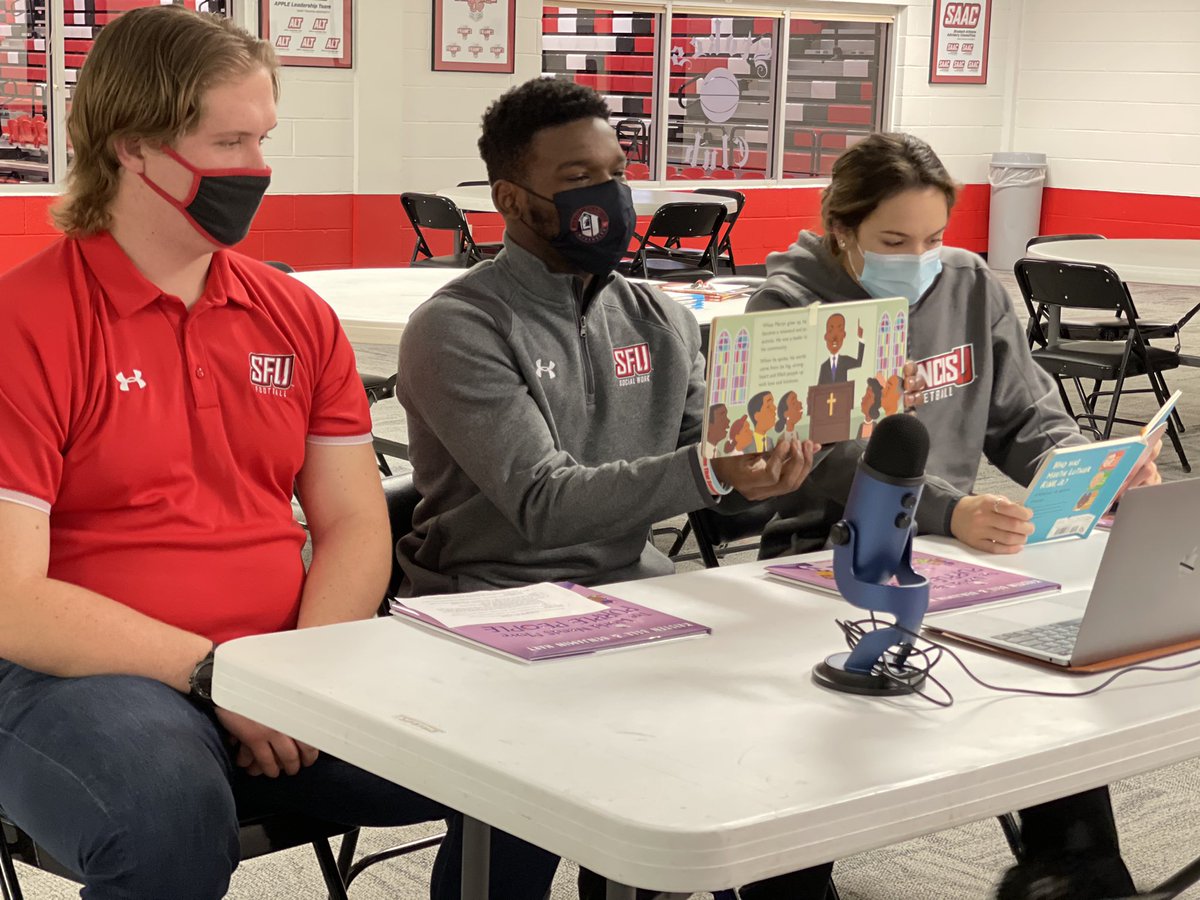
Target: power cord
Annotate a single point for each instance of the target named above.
(901, 662)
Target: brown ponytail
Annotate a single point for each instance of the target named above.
(876, 168)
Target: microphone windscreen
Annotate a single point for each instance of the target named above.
(898, 447)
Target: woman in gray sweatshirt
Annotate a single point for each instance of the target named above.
(884, 214)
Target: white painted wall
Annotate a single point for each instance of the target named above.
(1110, 90)
(392, 124)
(312, 149)
(964, 123)
(417, 128)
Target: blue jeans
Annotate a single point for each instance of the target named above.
(127, 783)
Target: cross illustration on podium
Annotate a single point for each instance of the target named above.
(831, 401)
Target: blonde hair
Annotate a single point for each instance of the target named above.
(146, 77)
(875, 169)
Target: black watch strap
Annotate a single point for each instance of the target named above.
(200, 682)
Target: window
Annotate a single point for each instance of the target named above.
(899, 346)
(722, 97)
(720, 393)
(612, 52)
(24, 93)
(833, 82)
(734, 82)
(883, 344)
(28, 137)
(741, 367)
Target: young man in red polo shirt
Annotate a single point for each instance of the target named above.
(161, 397)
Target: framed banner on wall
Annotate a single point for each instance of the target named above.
(309, 32)
(474, 35)
(958, 51)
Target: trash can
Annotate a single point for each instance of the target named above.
(1016, 206)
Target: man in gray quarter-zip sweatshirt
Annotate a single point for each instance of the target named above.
(554, 409)
(555, 414)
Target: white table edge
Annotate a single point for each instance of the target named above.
(869, 825)
(1127, 271)
(1019, 781)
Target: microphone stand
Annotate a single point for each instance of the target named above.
(860, 670)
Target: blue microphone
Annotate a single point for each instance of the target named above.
(873, 545)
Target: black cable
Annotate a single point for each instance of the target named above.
(853, 630)
(901, 669)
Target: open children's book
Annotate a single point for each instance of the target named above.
(714, 290)
(544, 621)
(825, 372)
(952, 583)
(1075, 486)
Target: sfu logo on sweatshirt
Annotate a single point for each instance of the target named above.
(631, 364)
(947, 372)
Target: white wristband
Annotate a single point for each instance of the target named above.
(715, 487)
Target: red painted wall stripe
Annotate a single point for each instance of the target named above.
(318, 231)
(1116, 215)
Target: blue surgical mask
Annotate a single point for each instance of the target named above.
(900, 274)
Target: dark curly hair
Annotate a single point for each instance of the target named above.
(511, 121)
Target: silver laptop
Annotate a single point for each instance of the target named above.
(1146, 595)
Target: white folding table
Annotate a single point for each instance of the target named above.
(478, 198)
(713, 762)
(374, 305)
(1148, 260)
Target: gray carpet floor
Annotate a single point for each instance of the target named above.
(1158, 812)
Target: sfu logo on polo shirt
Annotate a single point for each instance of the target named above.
(631, 364)
(271, 373)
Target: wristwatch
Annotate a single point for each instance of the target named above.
(200, 682)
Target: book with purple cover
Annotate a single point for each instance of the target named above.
(952, 583)
(545, 621)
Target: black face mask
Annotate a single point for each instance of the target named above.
(595, 225)
(222, 202)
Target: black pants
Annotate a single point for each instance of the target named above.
(1061, 831)
(809, 884)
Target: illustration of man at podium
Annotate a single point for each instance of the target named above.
(837, 368)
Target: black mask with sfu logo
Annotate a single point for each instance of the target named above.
(595, 225)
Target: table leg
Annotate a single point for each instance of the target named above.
(476, 859)
(1053, 325)
(617, 891)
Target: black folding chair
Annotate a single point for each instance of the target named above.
(1078, 286)
(431, 212)
(379, 387)
(678, 221)
(632, 136)
(1108, 329)
(257, 836)
(718, 535)
(724, 245)
(487, 249)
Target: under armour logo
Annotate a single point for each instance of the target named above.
(544, 370)
(126, 381)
